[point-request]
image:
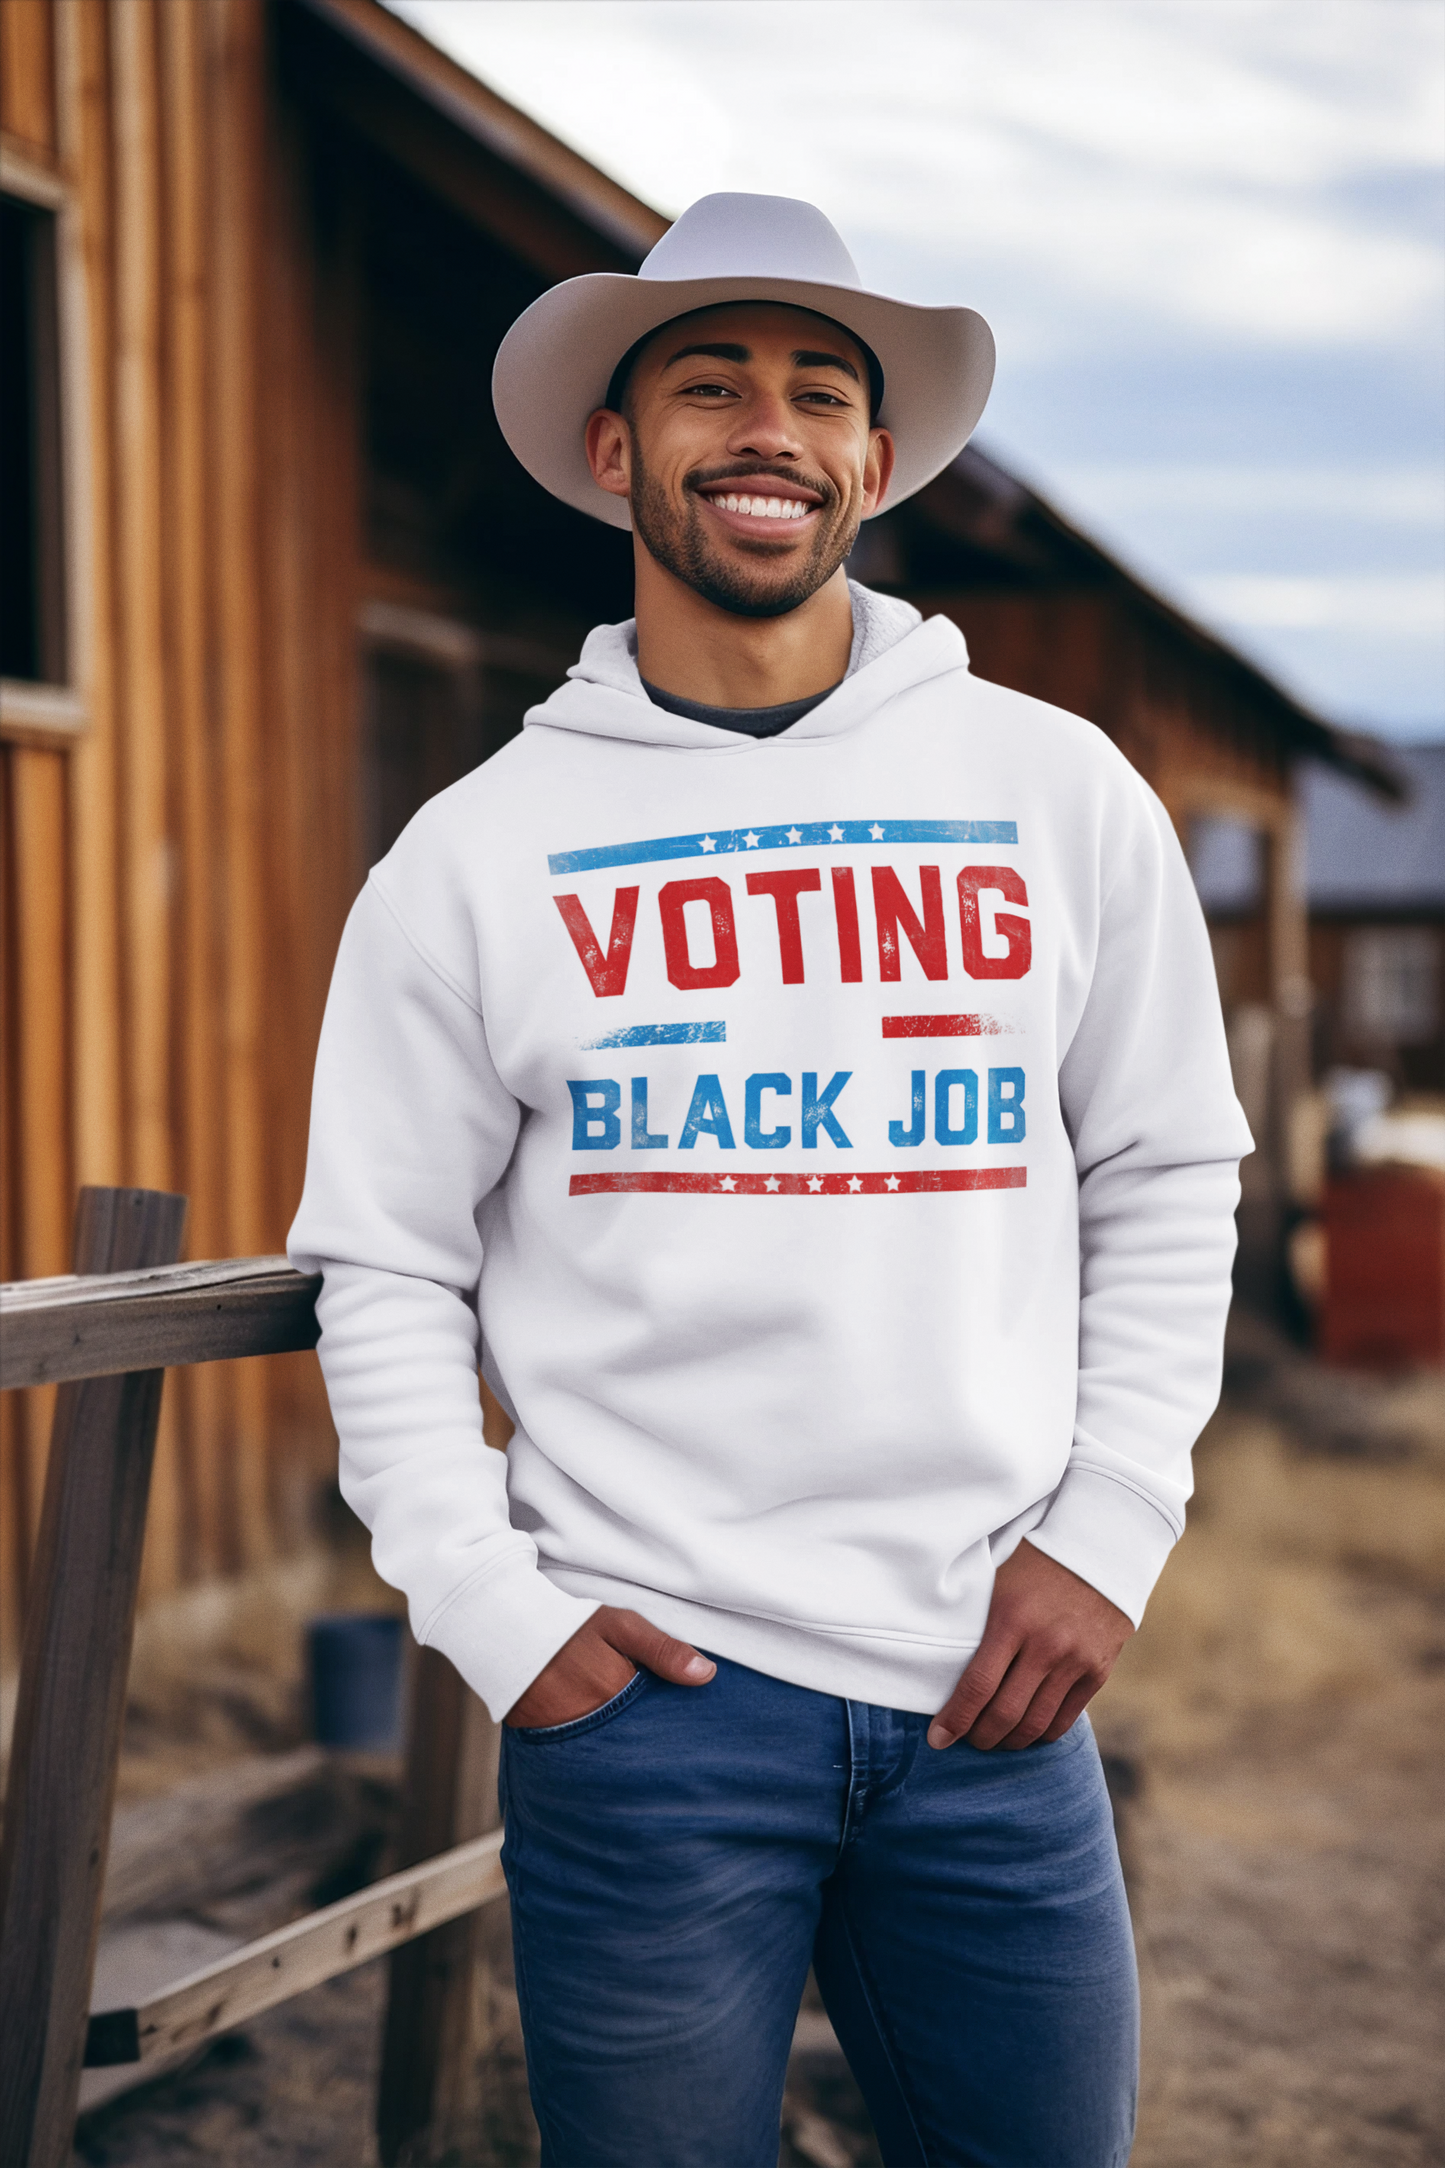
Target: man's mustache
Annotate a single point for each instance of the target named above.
(745, 471)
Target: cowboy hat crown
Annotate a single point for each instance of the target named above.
(554, 365)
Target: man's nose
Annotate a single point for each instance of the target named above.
(764, 428)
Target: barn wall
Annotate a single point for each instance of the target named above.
(1200, 740)
(1090, 651)
(177, 872)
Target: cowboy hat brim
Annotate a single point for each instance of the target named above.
(554, 366)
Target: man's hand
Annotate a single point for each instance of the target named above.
(597, 1663)
(1050, 1643)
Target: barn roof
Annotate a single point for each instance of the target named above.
(1362, 856)
(976, 524)
(996, 531)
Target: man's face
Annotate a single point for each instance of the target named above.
(746, 453)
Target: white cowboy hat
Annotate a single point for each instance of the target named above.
(554, 366)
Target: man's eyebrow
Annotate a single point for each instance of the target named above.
(803, 359)
(712, 353)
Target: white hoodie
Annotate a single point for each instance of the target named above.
(828, 1138)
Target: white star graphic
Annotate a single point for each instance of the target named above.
(855, 1185)
(815, 1182)
(751, 839)
(772, 1182)
(876, 832)
(709, 843)
(727, 1182)
(892, 1181)
(795, 835)
(835, 833)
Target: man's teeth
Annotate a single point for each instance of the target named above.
(765, 507)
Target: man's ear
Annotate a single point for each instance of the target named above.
(877, 468)
(609, 452)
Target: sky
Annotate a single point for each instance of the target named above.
(1209, 236)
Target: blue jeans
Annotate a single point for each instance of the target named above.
(678, 1858)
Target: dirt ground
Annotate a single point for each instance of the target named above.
(1276, 1740)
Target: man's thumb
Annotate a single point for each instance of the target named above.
(656, 1651)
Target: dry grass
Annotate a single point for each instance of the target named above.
(1284, 1710)
(1286, 1703)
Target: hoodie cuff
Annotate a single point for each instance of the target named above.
(1109, 1534)
(503, 1628)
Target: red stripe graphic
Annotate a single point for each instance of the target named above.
(943, 1027)
(798, 1185)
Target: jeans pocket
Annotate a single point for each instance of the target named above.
(555, 1734)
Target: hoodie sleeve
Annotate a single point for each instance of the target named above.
(411, 1127)
(1149, 1103)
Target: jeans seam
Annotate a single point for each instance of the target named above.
(902, 1775)
(885, 2042)
(857, 1785)
(519, 1963)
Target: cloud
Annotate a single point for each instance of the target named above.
(1400, 496)
(1411, 604)
(1215, 164)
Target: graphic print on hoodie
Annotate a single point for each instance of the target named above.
(699, 913)
(833, 1135)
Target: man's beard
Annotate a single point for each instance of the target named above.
(677, 539)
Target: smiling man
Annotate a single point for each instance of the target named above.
(794, 1066)
(763, 530)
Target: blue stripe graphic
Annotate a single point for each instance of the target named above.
(662, 1035)
(809, 835)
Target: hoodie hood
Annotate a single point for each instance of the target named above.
(894, 648)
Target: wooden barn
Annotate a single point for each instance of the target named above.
(271, 578)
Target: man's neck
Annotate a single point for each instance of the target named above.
(690, 647)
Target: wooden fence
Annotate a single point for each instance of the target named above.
(106, 1334)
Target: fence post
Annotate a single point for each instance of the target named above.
(78, 1628)
(429, 2098)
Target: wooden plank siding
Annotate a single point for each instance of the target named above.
(1093, 653)
(177, 874)
(27, 74)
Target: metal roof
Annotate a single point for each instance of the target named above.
(1363, 854)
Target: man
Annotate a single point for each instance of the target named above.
(800, 1062)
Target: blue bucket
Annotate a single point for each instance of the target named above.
(354, 1661)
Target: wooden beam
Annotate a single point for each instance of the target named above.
(92, 1328)
(428, 2096)
(491, 194)
(236, 33)
(96, 909)
(196, 1400)
(147, 841)
(513, 139)
(303, 1955)
(80, 1619)
(39, 841)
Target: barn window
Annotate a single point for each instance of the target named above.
(33, 644)
(1392, 985)
(1227, 859)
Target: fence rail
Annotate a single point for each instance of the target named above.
(101, 1324)
(290, 1959)
(106, 1334)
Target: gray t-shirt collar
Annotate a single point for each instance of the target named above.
(879, 621)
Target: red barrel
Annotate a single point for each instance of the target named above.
(1384, 1306)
